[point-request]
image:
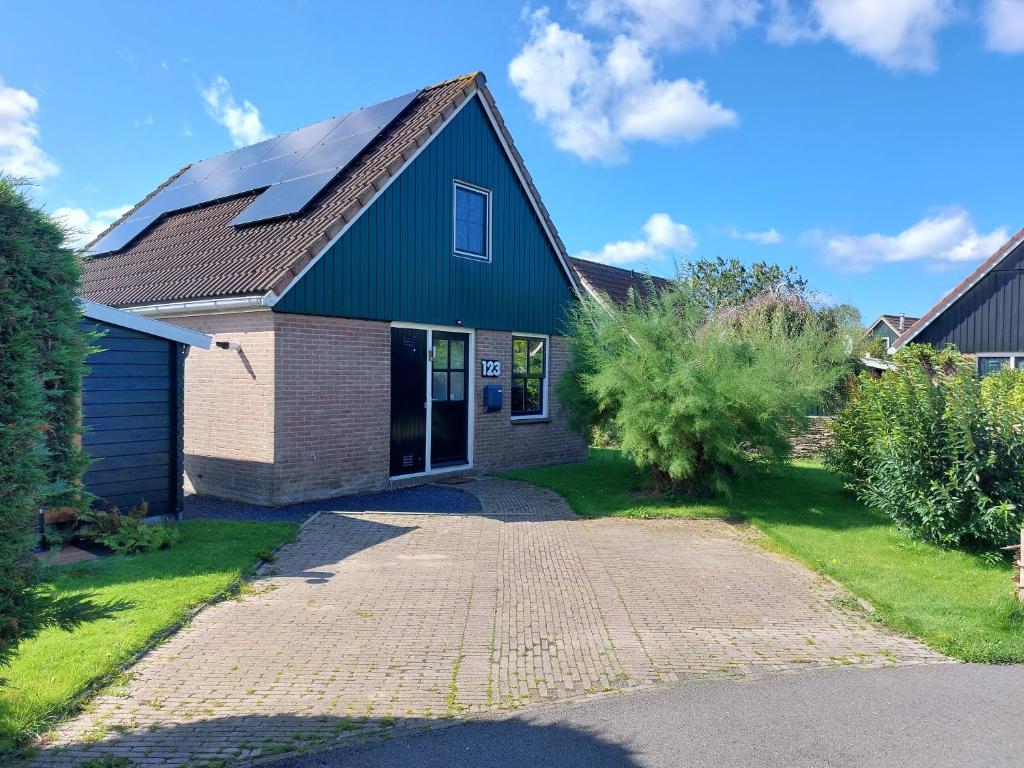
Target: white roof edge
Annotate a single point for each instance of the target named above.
(592, 292)
(880, 365)
(106, 314)
(881, 319)
(519, 166)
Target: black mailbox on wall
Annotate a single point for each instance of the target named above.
(493, 395)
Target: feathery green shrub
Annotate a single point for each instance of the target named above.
(695, 398)
(936, 448)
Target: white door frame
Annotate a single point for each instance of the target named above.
(429, 409)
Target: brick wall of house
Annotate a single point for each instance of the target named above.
(500, 442)
(301, 410)
(229, 407)
(333, 418)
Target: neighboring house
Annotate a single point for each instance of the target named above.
(132, 408)
(387, 295)
(890, 327)
(983, 316)
(600, 280)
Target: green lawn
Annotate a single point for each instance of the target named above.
(146, 594)
(956, 602)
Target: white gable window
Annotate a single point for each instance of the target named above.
(472, 221)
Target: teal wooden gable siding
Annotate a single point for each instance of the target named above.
(396, 261)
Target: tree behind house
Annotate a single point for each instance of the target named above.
(716, 284)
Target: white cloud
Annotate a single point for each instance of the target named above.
(672, 23)
(144, 122)
(84, 226)
(899, 34)
(20, 154)
(786, 26)
(243, 122)
(1004, 25)
(949, 237)
(595, 98)
(767, 237)
(662, 237)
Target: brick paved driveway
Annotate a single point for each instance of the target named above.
(380, 621)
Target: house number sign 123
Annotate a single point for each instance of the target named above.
(490, 369)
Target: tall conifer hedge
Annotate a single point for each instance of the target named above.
(41, 365)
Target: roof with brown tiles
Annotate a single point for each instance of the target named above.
(898, 323)
(196, 254)
(961, 288)
(615, 282)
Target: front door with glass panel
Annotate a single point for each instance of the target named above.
(408, 401)
(449, 382)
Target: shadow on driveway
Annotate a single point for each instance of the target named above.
(418, 499)
(500, 743)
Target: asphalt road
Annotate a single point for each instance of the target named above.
(930, 716)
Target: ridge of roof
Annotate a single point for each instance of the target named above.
(893, 321)
(961, 289)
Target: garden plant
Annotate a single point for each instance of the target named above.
(937, 449)
(42, 357)
(696, 395)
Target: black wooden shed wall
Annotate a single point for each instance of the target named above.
(989, 317)
(132, 413)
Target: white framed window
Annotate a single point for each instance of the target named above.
(990, 362)
(472, 221)
(529, 396)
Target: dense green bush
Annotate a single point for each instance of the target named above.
(697, 398)
(41, 362)
(938, 450)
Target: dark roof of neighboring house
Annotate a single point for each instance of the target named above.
(962, 287)
(898, 323)
(196, 254)
(616, 282)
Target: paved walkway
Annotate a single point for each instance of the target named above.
(378, 622)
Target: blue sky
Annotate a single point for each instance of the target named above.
(871, 143)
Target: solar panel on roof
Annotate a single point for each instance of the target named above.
(292, 169)
(123, 234)
(331, 154)
(304, 138)
(284, 199)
